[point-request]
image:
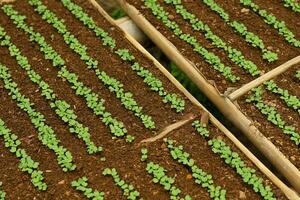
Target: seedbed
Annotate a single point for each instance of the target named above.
(227, 48)
(78, 131)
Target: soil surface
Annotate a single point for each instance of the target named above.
(125, 157)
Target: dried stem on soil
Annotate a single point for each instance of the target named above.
(171, 128)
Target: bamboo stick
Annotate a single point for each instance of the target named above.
(271, 74)
(224, 104)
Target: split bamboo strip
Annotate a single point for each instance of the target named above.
(223, 103)
(258, 81)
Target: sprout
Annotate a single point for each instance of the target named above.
(46, 133)
(273, 21)
(61, 107)
(81, 184)
(202, 178)
(209, 57)
(92, 99)
(2, 194)
(130, 138)
(248, 174)
(167, 182)
(26, 164)
(128, 189)
(154, 83)
(144, 153)
(271, 112)
(235, 55)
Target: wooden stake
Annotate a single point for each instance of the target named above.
(271, 74)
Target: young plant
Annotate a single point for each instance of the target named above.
(233, 54)
(45, 133)
(81, 185)
(26, 163)
(92, 99)
(294, 5)
(128, 190)
(248, 174)
(272, 115)
(201, 177)
(241, 28)
(273, 21)
(2, 194)
(209, 57)
(114, 85)
(233, 159)
(61, 107)
(149, 79)
(167, 182)
(291, 101)
(201, 129)
(144, 153)
(298, 74)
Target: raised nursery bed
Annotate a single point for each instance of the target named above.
(87, 113)
(229, 48)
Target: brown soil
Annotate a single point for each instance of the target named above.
(123, 156)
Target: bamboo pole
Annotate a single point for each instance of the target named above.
(271, 74)
(223, 103)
